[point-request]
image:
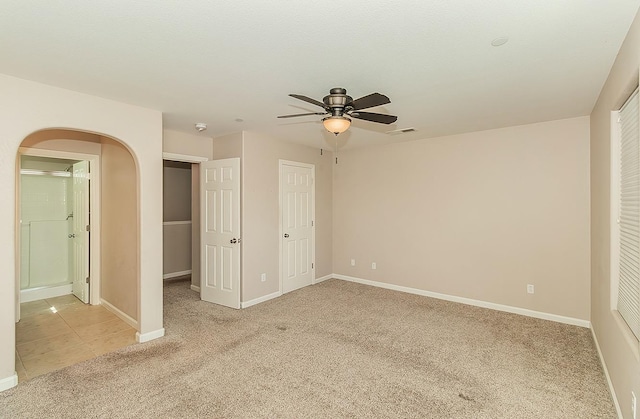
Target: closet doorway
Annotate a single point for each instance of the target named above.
(181, 218)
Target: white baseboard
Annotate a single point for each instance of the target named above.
(123, 316)
(469, 301)
(323, 278)
(195, 288)
(9, 382)
(146, 337)
(259, 300)
(271, 296)
(606, 374)
(176, 274)
(34, 294)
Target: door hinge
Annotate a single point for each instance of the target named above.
(311, 223)
(88, 228)
(87, 280)
(312, 266)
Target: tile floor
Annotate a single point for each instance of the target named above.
(62, 331)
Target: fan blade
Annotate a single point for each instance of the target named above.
(309, 100)
(369, 101)
(302, 114)
(375, 117)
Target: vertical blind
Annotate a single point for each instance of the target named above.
(629, 279)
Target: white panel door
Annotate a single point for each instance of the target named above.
(80, 234)
(297, 207)
(220, 232)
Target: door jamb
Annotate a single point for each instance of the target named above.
(94, 215)
(282, 163)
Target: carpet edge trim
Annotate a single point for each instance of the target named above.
(478, 303)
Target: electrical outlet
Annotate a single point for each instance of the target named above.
(373, 265)
(263, 277)
(634, 405)
(530, 289)
(353, 262)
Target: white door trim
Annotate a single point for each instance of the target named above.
(94, 216)
(282, 163)
(185, 158)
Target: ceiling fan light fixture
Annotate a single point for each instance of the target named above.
(336, 124)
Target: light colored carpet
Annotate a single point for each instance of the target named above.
(336, 349)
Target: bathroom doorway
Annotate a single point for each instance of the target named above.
(56, 198)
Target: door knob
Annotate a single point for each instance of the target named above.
(286, 235)
(72, 236)
(233, 241)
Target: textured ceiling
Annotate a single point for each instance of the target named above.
(220, 61)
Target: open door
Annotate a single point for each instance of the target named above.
(80, 235)
(220, 232)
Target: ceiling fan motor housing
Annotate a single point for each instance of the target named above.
(336, 101)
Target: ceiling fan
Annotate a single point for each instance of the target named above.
(341, 107)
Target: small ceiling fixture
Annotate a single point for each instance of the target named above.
(201, 126)
(342, 107)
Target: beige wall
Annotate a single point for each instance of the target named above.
(228, 146)
(620, 356)
(260, 207)
(478, 215)
(28, 107)
(187, 144)
(176, 189)
(119, 228)
(177, 257)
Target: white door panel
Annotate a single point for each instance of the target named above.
(297, 192)
(220, 232)
(80, 234)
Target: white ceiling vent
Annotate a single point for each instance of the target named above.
(401, 131)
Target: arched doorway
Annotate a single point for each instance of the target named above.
(49, 263)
